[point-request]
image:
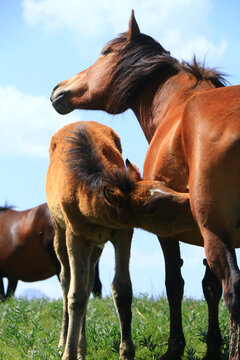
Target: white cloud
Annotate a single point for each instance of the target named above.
(27, 123)
(181, 26)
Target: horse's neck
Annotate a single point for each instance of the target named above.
(4, 212)
(156, 105)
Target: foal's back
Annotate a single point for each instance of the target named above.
(82, 156)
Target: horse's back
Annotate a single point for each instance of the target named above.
(23, 254)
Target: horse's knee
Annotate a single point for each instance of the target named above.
(174, 282)
(232, 296)
(122, 292)
(77, 302)
(211, 285)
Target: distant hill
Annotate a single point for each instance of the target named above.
(32, 294)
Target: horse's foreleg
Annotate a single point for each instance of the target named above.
(97, 287)
(12, 285)
(174, 287)
(122, 290)
(212, 290)
(64, 276)
(79, 253)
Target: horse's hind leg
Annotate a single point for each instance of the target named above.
(94, 260)
(12, 285)
(174, 287)
(212, 290)
(221, 259)
(97, 287)
(122, 290)
(79, 254)
(2, 294)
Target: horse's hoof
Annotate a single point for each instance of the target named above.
(171, 356)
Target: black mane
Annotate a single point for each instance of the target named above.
(85, 164)
(6, 207)
(142, 60)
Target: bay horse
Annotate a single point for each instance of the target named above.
(26, 248)
(191, 120)
(94, 198)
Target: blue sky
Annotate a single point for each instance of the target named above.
(43, 42)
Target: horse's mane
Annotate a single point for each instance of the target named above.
(6, 207)
(142, 60)
(86, 165)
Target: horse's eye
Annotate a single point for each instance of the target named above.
(105, 52)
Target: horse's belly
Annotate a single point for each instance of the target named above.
(34, 268)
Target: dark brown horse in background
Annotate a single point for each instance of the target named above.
(192, 122)
(26, 248)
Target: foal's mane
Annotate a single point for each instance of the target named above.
(86, 165)
(143, 60)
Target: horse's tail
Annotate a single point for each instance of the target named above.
(86, 165)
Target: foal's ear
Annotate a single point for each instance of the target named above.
(113, 196)
(133, 171)
(133, 29)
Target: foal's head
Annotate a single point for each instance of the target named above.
(111, 83)
(152, 206)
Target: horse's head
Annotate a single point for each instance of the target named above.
(112, 81)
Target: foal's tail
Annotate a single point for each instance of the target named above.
(87, 166)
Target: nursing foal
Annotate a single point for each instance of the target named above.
(94, 198)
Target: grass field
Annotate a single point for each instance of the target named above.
(31, 329)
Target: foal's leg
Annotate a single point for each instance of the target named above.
(94, 261)
(79, 253)
(212, 290)
(174, 287)
(12, 285)
(122, 290)
(61, 252)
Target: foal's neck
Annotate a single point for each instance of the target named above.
(161, 102)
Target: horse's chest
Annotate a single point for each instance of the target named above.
(165, 162)
(95, 233)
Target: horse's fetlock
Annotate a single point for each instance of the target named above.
(127, 351)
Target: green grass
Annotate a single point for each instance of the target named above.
(31, 329)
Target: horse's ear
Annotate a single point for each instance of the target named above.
(113, 196)
(133, 171)
(133, 29)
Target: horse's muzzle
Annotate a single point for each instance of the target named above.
(61, 101)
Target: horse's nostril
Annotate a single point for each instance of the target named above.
(60, 95)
